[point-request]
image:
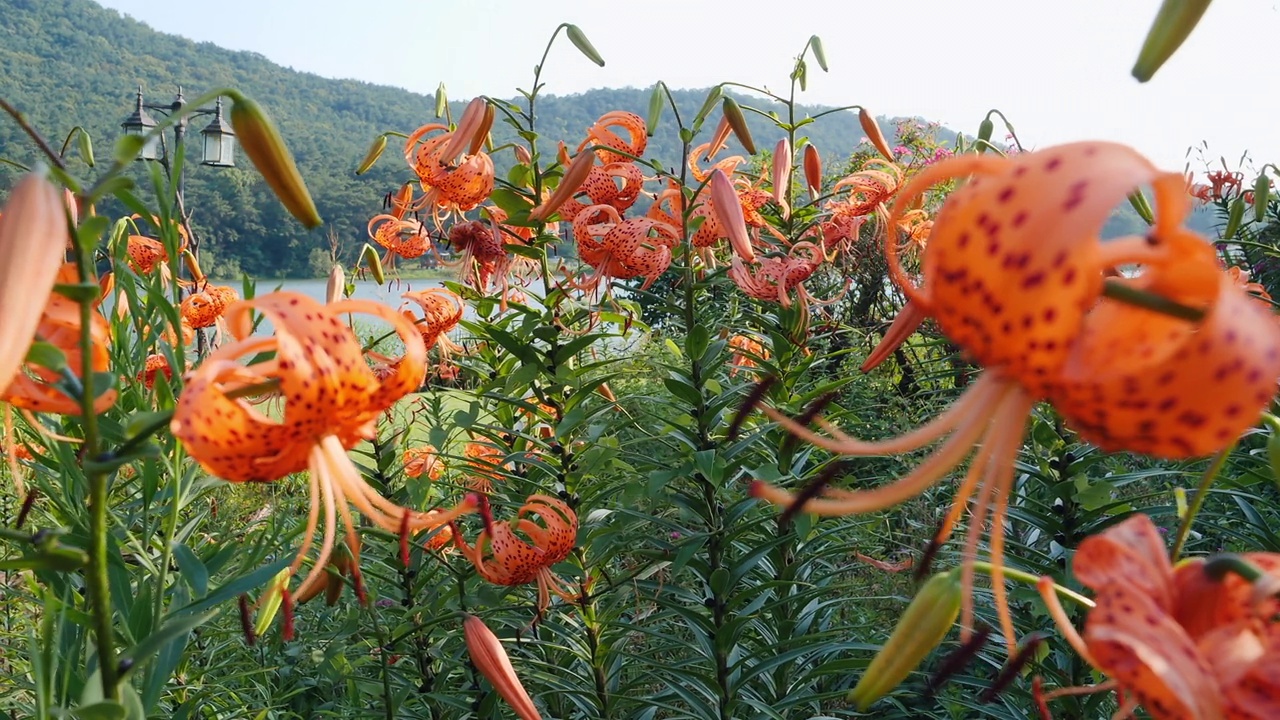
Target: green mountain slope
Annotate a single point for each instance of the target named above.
(72, 62)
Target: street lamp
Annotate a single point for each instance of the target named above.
(219, 138)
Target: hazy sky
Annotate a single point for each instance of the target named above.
(1059, 70)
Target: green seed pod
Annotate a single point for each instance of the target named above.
(261, 141)
(655, 108)
(1235, 216)
(738, 123)
(1174, 22)
(1261, 195)
(371, 157)
(815, 44)
(921, 628)
(584, 45)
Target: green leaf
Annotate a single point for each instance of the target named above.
(47, 355)
(105, 710)
(175, 628)
(510, 201)
(239, 585)
(128, 147)
(193, 571)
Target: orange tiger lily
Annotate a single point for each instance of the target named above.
(1013, 273)
(601, 134)
(331, 400)
(442, 310)
(485, 465)
(424, 460)
(59, 325)
(204, 308)
(618, 248)
(452, 180)
(1175, 641)
(502, 557)
(747, 352)
(156, 364)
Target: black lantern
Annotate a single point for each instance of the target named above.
(219, 141)
(140, 123)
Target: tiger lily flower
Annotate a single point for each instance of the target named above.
(424, 460)
(502, 557)
(331, 400)
(622, 248)
(747, 352)
(33, 238)
(1013, 273)
(484, 463)
(1175, 640)
(600, 133)
(59, 325)
(442, 310)
(453, 181)
(156, 364)
(398, 236)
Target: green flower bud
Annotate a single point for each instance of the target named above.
(738, 123)
(922, 627)
(1235, 216)
(1174, 22)
(655, 108)
(371, 157)
(261, 141)
(1261, 194)
(584, 45)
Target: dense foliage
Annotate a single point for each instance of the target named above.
(612, 405)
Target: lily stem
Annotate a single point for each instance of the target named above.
(1032, 580)
(1202, 491)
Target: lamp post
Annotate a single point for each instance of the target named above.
(219, 138)
(218, 151)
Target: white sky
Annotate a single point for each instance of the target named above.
(1058, 69)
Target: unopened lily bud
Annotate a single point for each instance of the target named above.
(986, 129)
(193, 266)
(464, 135)
(522, 155)
(815, 44)
(337, 284)
(33, 242)
(712, 98)
(656, 100)
(574, 176)
(442, 101)
(728, 210)
(921, 628)
(812, 170)
(733, 113)
(580, 41)
(1273, 445)
(482, 132)
(872, 129)
(718, 139)
(371, 157)
(1235, 216)
(265, 147)
(370, 258)
(269, 603)
(1174, 22)
(490, 658)
(1261, 194)
(782, 174)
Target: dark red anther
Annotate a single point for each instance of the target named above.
(926, 559)
(753, 398)
(957, 660)
(809, 492)
(404, 539)
(1012, 668)
(27, 503)
(287, 606)
(357, 579)
(246, 622)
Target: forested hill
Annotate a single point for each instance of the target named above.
(72, 62)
